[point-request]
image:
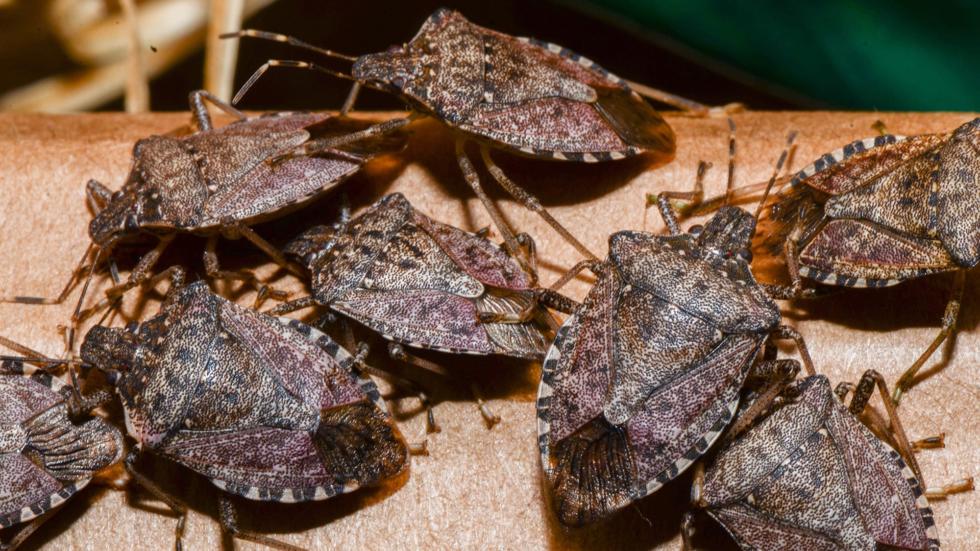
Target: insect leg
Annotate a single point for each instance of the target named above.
(143, 269)
(783, 372)
(292, 306)
(949, 326)
(531, 203)
(473, 179)
(229, 523)
(944, 491)
(351, 98)
(859, 401)
(530, 252)
(214, 271)
(80, 267)
(682, 103)
(929, 443)
(489, 416)
(177, 506)
(397, 352)
(199, 111)
(667, 211)
(266, 247)
(788, 333)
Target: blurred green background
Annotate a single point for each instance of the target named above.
(832, 54)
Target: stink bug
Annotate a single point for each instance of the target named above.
(267, 409)
(644, 376)
(219, 181)
(882, 211)
(810, 476)
(46, 456)
(424, 284)
(521, 95)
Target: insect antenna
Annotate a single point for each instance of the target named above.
(286, 63)
(775, 173)
(69, 286)
(730, 183)
(75, 319)
(286, 39)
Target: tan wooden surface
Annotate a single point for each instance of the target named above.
(480, 488)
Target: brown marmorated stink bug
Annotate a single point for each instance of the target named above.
(644, 377)
(218, 182)
(810, 475)
(882, 211)
(267, 409)
(424, 284)
(521, 95)
(48, 451)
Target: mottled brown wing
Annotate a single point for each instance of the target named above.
(755, 530)
(23, 485)
(423, 319)
(859, 254)
(957, 201)
(885, 491)
(477, 256)
(667, 268)
(225, 155)
(358, 247)
(353, 446)
(863, 161)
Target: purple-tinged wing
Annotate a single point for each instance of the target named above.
(477, 256)
(885, 491)
(755, 530)
(424, 319)
(23, 397)
(681, 419)
(270, 187)
(355, 445)
(863, 161)
(858, 250)
(300, 365)
(24, 486)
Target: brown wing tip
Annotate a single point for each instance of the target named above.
(635, 121)
(358, 443)
(592, 473)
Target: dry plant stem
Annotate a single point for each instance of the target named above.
(220, 56)
(949, 325)
(531, 203)
(137, 88)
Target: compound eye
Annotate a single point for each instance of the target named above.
(695, 229)
(745, 255)
(395, 50)
(398, 82)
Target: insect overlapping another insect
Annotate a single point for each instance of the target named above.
(882, 211)
(219, 181)
(48, 449)
(267, 409)
(521, 95)
(810, 475)
(424, 284)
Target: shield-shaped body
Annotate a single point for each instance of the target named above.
(811, 476)
(520, 94)
(230, 175)
(423, 283)
(885, 210)
(642, 379)
(266, 408)
(45, 457)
